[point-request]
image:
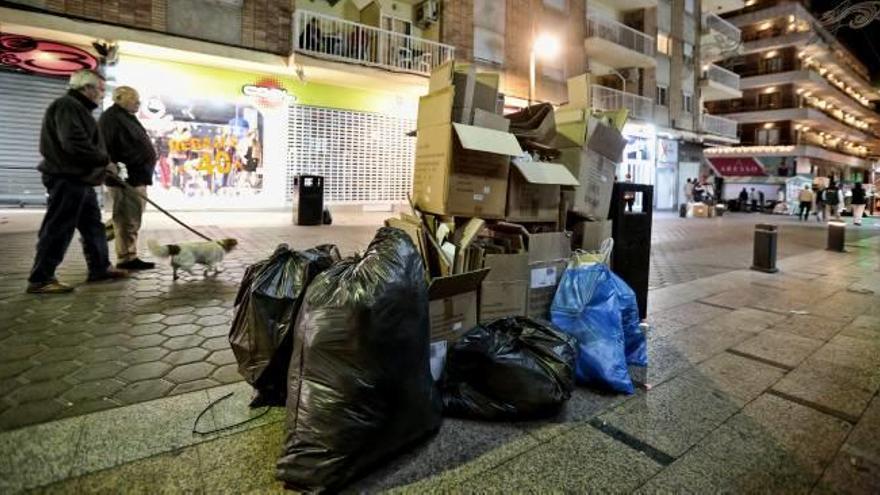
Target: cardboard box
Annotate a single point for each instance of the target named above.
(533, 193)
(595, 174)
(700, 210)
(472, 90)
(452, 306)
(548, 257)
(505, 288)
(590, 235)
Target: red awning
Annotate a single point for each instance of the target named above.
(737, 167)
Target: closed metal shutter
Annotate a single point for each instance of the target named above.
(23, 100)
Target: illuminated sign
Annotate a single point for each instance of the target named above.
(267, 93)
(43, 57)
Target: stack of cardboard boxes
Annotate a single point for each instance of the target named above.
(487, 214)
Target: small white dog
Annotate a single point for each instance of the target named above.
(186, 255)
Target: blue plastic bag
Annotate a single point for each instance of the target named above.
(634, 344)
(586, 307)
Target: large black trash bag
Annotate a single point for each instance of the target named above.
(360, 387)
(512, 368)
(267, 303)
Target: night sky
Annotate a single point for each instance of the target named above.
(864, 42)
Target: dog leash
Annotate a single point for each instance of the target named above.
(134, 191)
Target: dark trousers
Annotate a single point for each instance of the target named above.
(72, 205)
(805, 210)
(754, 205)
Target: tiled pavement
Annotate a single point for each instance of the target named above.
(758, 383)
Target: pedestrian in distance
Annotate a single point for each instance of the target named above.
(754, 198)
(833, 198)
(818, 194)
(858, 203)
(75, 161)
(127, 142)
(743, 199)
(689, 191)
(805, 198)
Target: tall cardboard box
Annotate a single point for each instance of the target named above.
(595, 175)
(504, 290)
(452, 310)
(548, 257)
(533, 193)
(460, 170)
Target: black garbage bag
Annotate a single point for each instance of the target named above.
(360, 387)
(266, 306)
(510, 369)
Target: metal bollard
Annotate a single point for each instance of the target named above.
(683, 210)
(764, 257)
(836, 237)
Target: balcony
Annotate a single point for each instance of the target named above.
(605, 98)
(617, 45)
(718, 126)
(719, 83)
(720, 39)
(335, 39)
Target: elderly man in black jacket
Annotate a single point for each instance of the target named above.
(127, 142)
(74, 162)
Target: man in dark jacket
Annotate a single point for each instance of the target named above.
(127, 142)
(74, 162)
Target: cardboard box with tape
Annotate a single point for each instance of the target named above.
(533, 192)
(504, 290)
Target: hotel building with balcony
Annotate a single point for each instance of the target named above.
(807, 106)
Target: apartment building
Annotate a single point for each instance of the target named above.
(239, 96)
(807, 106)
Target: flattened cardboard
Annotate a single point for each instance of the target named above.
(544, 278)
(490, 120)
(607, 141)
(504, 291)
(453, 307)
(435, 108)
(534, 190)
(487, 140)
(549, 246)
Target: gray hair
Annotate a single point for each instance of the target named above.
(120, 91)
(83, 78)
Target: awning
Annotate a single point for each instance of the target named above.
(737, 167)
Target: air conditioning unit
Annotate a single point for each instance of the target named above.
(427, 13)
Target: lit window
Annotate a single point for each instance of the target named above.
(689, 6)
(664, 43)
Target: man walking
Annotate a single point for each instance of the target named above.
(74, 162)
(805, 197)
(833, 198)
(858, 203)
(127, 142)
(754, 197)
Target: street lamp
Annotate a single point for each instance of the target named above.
(547, 46)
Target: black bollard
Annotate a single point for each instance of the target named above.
(764, 257)
(836, 237)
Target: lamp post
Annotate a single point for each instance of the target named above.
(547, 46)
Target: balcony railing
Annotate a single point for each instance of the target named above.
(714, 23)
(721, 76)
(345, 41)
(608, 29)
(605, 98)
(719, 126)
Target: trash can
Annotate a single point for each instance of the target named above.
(719, 210)
(631, 231)
(309, 201)
(683, 210)
(836, 237)
(764, 256)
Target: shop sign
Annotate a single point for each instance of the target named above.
(43, 57)
(266, 93)
(737, 167)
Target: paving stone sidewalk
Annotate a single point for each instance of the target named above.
(757, 383)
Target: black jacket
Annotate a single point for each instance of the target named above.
(858, 196)
(69, 140)
(128, 143)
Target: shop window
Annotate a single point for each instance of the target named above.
(662, 97)
(687, 102)
(770, 100)
(664, 43)
(767, 137)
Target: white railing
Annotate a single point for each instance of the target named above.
(722, 76)
(719, 126)
(608, 29)
(345, 41)
(639, 107)
(717, 24)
